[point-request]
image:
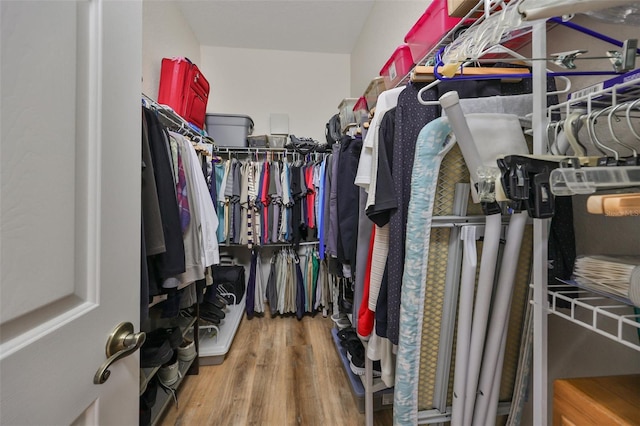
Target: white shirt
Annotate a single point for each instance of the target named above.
(368, 164)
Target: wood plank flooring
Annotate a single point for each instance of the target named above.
(279, 371)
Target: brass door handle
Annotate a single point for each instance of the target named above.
(122, 342)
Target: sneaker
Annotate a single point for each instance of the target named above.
(347, 334)
(159, 335)
(143, 382)
(341, 320)
(209, 318)
(211, 309)
(154, 354)
(148, 397)
(169, 373)
(187, 350)
(355, 355)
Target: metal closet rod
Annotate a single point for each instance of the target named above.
(302, 243)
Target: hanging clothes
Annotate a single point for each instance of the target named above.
(170, 263)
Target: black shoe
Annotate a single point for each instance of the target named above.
(148, 397)
(217, 301)
(355, 354)
(206, 316)
(212, 309)
(348, 333)
(212, 296)
(302, 145)
(154, 354)
(159, 335)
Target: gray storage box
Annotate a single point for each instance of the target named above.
(229, 130)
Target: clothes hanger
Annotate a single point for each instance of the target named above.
(591, 129)
(572, 126)
(441, 72)
(631, 106)
(553, 144)
(609, 203)
(615, 138)
(424, 74)
(493, 49)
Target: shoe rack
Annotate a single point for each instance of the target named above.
(187, 322)
(215, 340)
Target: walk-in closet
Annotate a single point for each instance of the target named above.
(367, 212)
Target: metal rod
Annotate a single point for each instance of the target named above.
(540, 238)
(539, 59)
(588, 31)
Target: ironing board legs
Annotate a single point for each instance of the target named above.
(490, 247)
(495, 386)
(465, 314)
(500, 315)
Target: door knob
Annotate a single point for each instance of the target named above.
(122, 342)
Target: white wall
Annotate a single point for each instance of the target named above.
(165, 33)
(306, 86)
(384, 31)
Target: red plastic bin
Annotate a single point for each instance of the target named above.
(429, 29)
(398, 65)
(360, 110)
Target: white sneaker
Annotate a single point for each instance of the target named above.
(341, 321)
(169, 374)
(187, 350)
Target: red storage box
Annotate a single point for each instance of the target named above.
(427, 32)
(185, 89)
(398, 65)
(360, 110)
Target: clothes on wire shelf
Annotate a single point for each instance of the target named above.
(179, 220)
(270, 201)
(298, 283)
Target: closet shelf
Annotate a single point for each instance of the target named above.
(382, 398)
(586, 287)
(212, 351)
(595, 312)
(185, 324)
(446, 39)
(623, 88)
(164, 398)
(173, 120)
(476, 12)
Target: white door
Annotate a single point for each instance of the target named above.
(69, 208)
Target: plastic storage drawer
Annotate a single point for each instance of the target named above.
(347, 116)
(431, 26)
(374, 89)
(398, 65)
(361, 111)
(228, 130)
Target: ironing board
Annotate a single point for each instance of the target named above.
(424, 383)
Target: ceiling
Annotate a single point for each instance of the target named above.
(327, 26)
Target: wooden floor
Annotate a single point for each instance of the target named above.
(279, 371)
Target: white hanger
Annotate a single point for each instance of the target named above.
(494, 49)
(613, 135)
(631, 106)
